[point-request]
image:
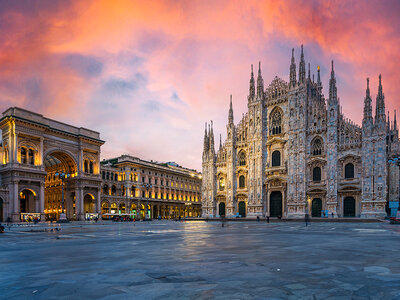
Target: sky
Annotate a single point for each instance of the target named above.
(147, 75)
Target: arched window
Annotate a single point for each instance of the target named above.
(275, 123)
(91, 167)
(116, 177)
(242, 183)
(317, 174)
(242, 158)
(276, 158)
(221, 184)
(85, 166)
(105, 189)
(113, 190)
(349, 170)
(133, 189)
(103, 175)
(23, 155)
(317, 148)
(108, 175)
(31, 157)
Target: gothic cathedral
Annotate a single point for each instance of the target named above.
(295, 153)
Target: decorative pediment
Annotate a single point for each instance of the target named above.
(276, 139)
(316, 160)
(350, 156)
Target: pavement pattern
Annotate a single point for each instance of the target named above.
(200, 260)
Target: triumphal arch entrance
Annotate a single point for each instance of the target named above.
(47, 167)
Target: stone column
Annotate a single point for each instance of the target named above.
(79, 203)
(41, 152)
(41, 202)
(99, 202)
(15, 198)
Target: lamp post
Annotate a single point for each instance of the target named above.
(147, 186)
(63, 217)
(394, 205)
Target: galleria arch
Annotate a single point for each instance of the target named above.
(42, 159)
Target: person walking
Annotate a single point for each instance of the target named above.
(307, 219)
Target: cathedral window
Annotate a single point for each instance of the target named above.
(276, 158)
(317, 174)
(85, 166)
(242, 159)
(317, 147)
(221, 184)
(349, 170)
(276, 123)
(23, 155)
(242, 184)
(31, 157)
(91, 167)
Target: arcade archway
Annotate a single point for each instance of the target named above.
(88, 204)
(61, 169)
(28, 202)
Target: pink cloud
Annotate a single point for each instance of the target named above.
(147, 75)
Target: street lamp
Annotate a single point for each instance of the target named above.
(394, 205)
(147, 186)
(63, 217)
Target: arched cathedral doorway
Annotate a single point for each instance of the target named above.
(275, 204)
(316, 207)
(242, 209)
(349, 207)
(221, 209)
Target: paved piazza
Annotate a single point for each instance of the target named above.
(201, 260)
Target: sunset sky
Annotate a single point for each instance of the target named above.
(148, 74)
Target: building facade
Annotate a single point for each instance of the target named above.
(295, 153)
(130, 184)
(42, 159)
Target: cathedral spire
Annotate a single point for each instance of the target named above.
(230, 117)
(367, 105)
(206, 139)
(292, 82)
(395, 121)
(332, 86)
(260, 83)
(252, 89)
(380, 103)
(220, 142)
(302, 67)
(309, 76)
(212, 149)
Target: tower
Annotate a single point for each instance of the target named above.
(256, 149)
(332, 145)
(208, 174)
(230, 162)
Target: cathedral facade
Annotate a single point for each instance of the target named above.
(295, 153)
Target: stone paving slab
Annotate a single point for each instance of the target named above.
(200, 260)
